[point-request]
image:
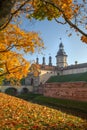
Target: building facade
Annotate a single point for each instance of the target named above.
(61, 68)
(46, 71)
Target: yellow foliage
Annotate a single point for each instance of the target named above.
(35, 69)
(84, 39)
(66, 7)
(53, 9)
(14, 42)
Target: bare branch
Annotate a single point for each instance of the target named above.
(59, 21)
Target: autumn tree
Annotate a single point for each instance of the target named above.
(73, 12)
(15, 42)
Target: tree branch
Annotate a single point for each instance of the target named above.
(20, 7)
(7, 68)
(12, 14)
(59, 21)
(9, 48)
(66, 19)
(10, 71)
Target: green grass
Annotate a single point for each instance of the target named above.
(71, 105)
(68, 78)
(28, 97)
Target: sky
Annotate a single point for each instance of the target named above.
(51, 32)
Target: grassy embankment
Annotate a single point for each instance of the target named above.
(77, 107)
(68, 78)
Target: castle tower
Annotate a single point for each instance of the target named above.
(61, 57)
(50, 61)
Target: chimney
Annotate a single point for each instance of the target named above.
(50, 61)
(76, 62)
(37, 60)
(43, 61)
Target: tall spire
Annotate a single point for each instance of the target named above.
(61, 44)
(61, 57)
(61, 51)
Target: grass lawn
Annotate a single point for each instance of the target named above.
(76, 107)
(18, 114)
(68, 78)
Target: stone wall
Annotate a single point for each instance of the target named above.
(19, 88)
(66, 90)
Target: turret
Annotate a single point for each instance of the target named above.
(61, 57)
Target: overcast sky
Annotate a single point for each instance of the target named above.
(51, 32)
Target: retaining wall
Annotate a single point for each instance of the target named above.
(66, 90)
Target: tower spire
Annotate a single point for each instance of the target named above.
(61, 57)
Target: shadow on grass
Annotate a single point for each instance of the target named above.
(75, 108)
(67, 110)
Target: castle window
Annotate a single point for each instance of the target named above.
(32, 81)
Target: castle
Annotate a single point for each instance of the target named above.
(46, 71)
(61, 68)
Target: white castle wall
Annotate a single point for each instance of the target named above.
(74, 71)
(28, 80)
(45, 75)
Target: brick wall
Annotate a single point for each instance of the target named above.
(72, 90)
